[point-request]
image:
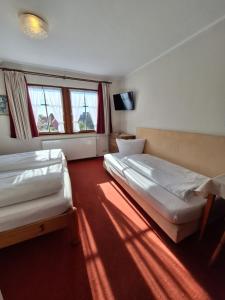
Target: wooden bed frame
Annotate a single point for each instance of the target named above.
(66, 220)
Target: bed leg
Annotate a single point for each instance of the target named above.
(206, 213)
(218, 250)
(74, 232)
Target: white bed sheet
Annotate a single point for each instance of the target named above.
(166, 204)
(35, 210)
(175, 179)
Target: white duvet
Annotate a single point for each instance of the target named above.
(30, 160)
(25, 185)
(175, 179)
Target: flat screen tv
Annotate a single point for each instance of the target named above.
(124, 101)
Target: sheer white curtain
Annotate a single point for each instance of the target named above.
(37, 100)
(48, 108)
(18, 103)
(53, 98)
(77, 105)
(91, 102)
(81, 102)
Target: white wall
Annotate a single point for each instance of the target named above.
(183, 90)
(9, 145)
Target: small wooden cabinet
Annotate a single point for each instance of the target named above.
(116, 135)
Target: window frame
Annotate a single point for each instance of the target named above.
(67, 110)
(81, 90)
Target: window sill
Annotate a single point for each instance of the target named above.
(62, 136)
(51, 133)
(62, 133)
(85, 131)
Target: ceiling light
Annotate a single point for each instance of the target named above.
(33, 25)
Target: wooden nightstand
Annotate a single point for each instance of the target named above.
(116, 135)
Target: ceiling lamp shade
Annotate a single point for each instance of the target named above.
(33, 26)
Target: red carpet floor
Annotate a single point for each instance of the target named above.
(122, 255)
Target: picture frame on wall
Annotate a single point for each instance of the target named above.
(3, 105)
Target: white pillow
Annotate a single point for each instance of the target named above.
(128, 147)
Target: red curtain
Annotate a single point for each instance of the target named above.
(100, 117)
(110, 114)
(12, 127)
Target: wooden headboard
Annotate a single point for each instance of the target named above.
(202, 153)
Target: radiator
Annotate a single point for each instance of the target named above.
(73, 148)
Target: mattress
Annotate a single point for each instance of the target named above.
(168, 205)
(32, 211)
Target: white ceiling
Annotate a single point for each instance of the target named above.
(102, 37)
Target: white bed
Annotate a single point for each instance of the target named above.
(28, 212)
(28, 219)
(168, 205)
(176, 217)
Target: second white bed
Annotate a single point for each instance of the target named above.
(166, 204)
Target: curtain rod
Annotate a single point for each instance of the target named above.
(54, 75)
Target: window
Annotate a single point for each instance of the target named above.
(84, 110)
(63, 110)
(47, 106)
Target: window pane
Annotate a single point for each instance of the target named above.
(53, 98)
(77, 106)
(84, 110)
(91, 102)
(39, 108)
(47, 108)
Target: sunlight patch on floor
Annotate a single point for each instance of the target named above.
(163, 272)
(100, 286)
